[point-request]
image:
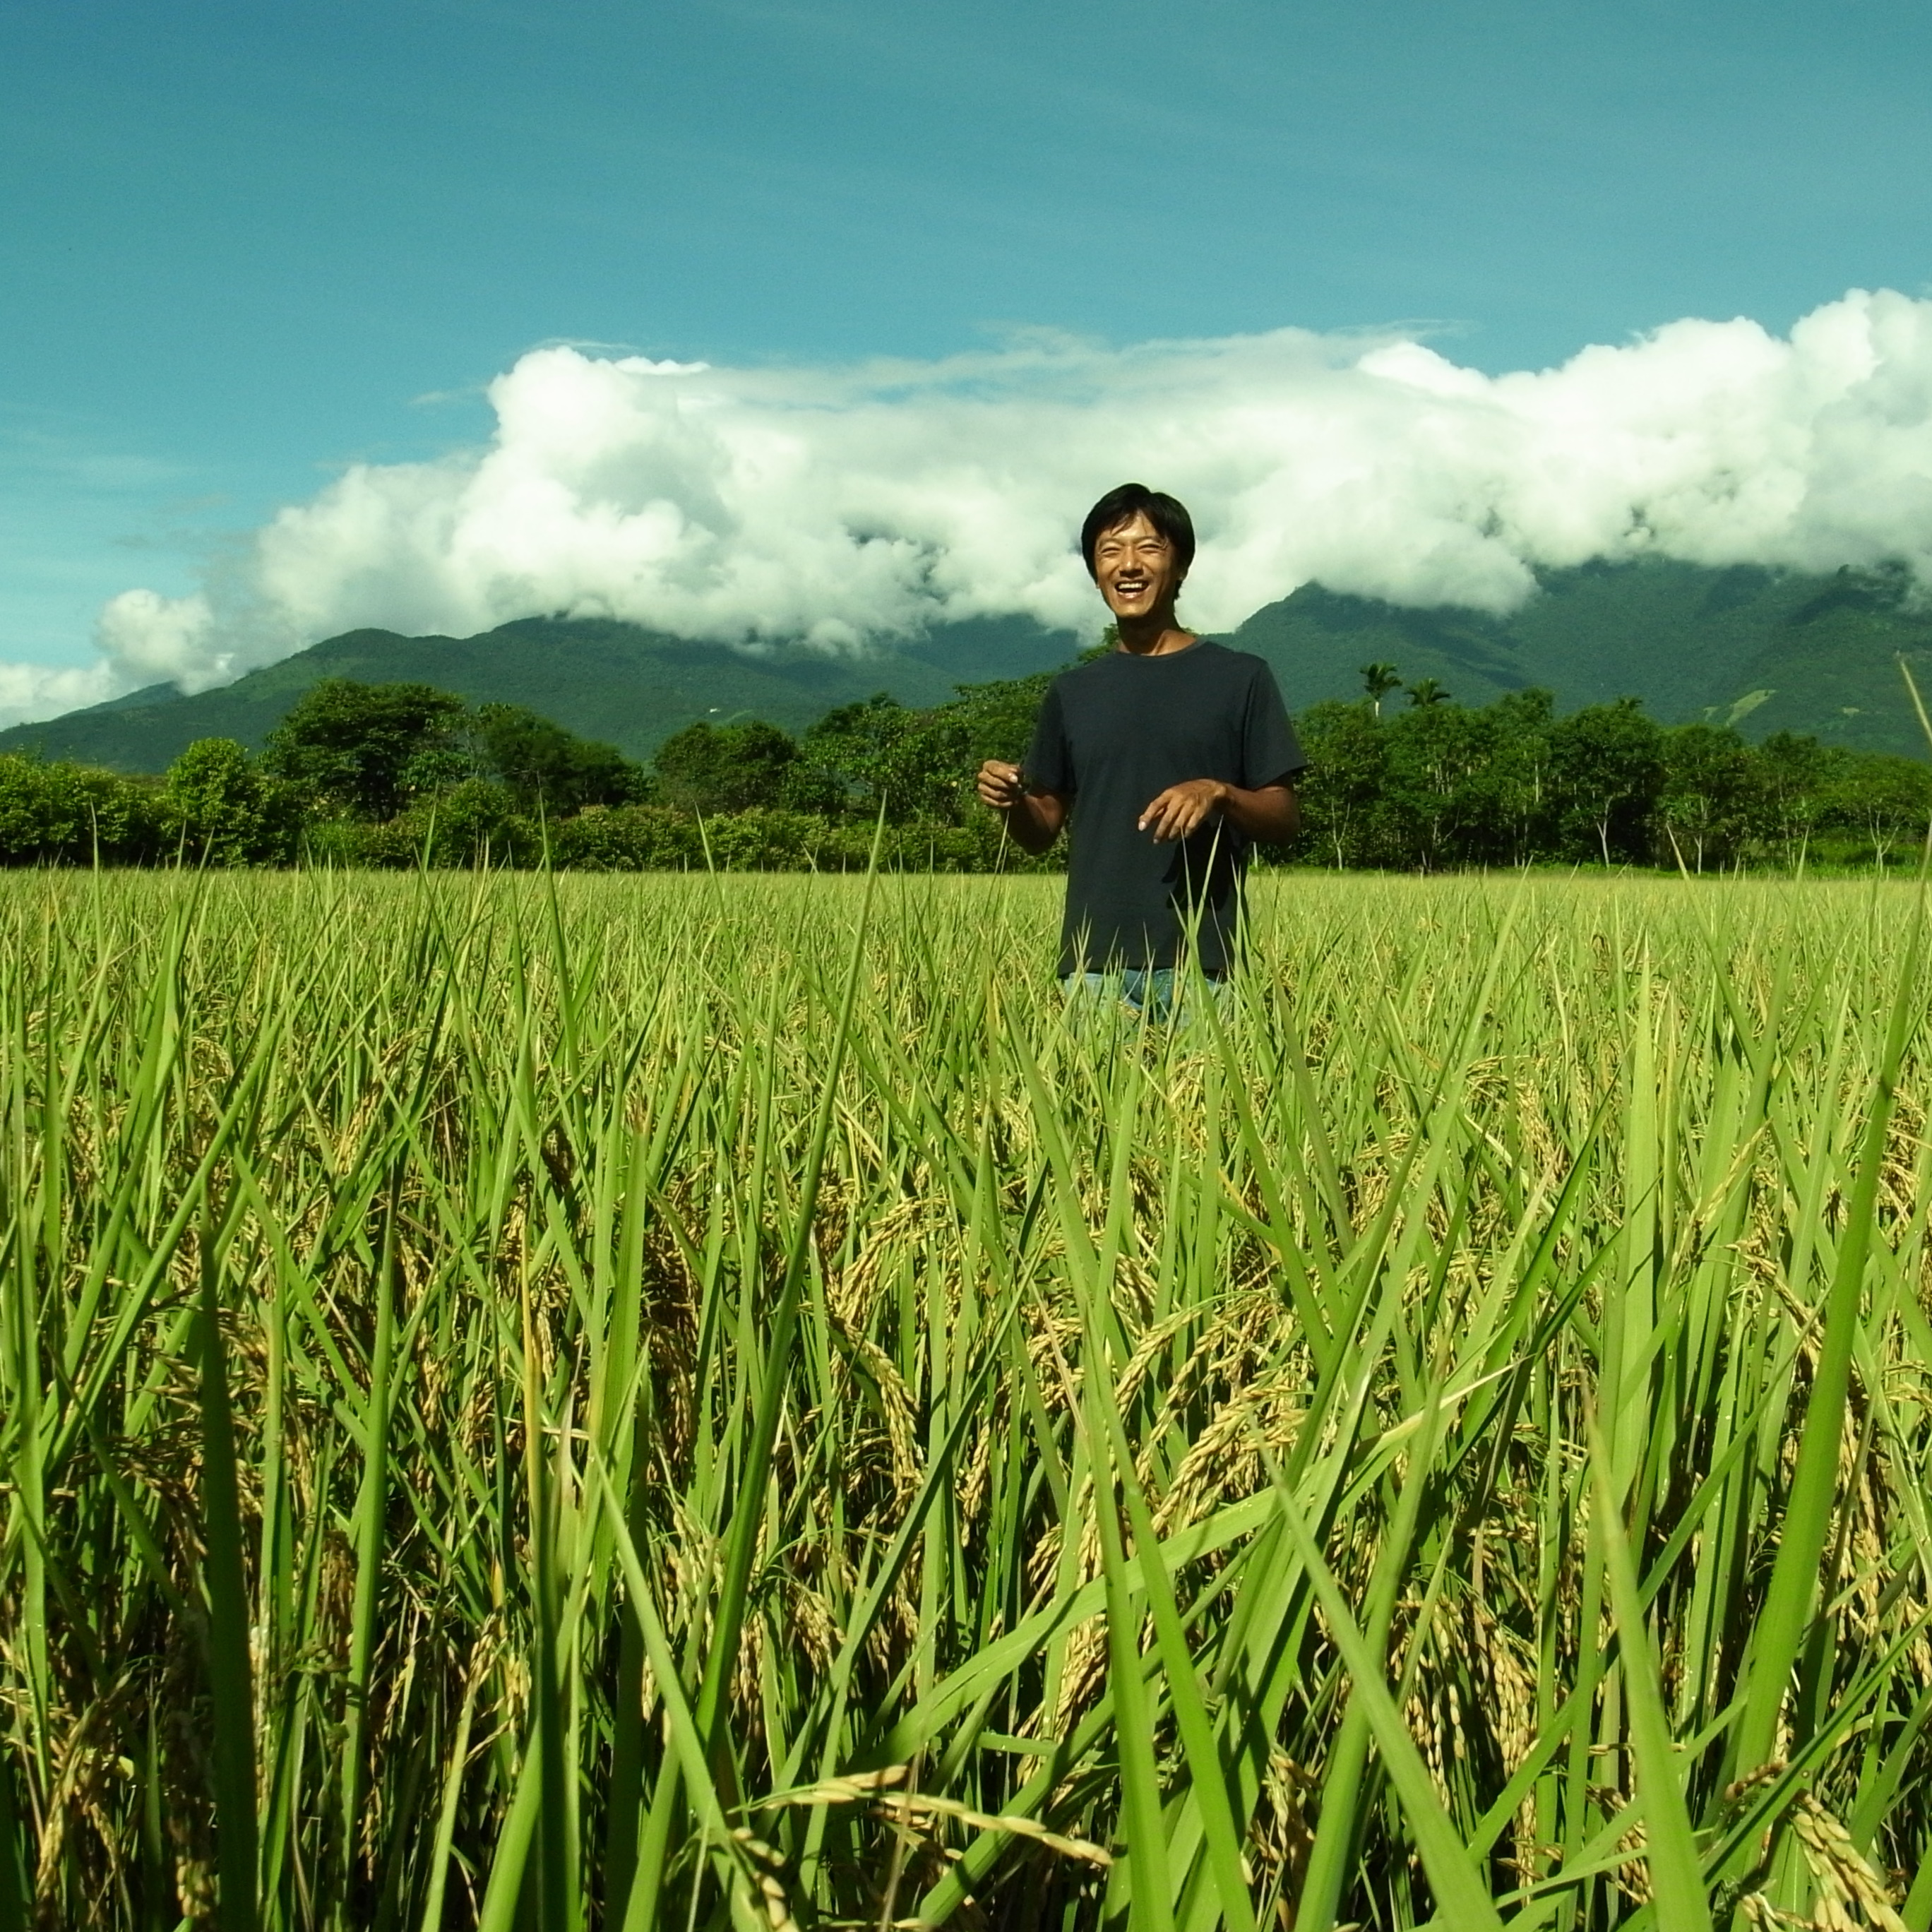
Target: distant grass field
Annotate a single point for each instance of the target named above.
(641, 1401)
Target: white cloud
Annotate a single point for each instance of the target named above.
(45, 690)
(844, 504)
(151, 638)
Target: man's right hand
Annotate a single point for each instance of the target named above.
(1034, 818)
(1000, 785)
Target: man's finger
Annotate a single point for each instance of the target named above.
(999, 783)
(1166, 817)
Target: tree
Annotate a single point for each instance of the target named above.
(1606, 764)
(1710, 799)
(473, 823)
(1347, 748)
(368, 749)
(711, 768)
(1509, 801)
(917, 764)
(1426, 691)
(218, 809)
(544, 766)
(1432, 807)
(1378, 680)
(998, 718)
(66, 814)
(1796, 777)
(1887, 798)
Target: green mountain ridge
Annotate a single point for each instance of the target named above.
(614, 682)
(1769, 650)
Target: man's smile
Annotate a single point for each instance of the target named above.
(1137, 571)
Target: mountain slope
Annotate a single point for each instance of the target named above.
(1770, 650)
(630, 687)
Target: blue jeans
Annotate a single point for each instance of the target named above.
(1157, 991)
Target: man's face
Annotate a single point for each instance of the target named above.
(1134, 565)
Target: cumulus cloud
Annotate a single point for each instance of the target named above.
(45, 691)
(846, 505)
(151, 638)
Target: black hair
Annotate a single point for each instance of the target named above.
(1167, 514)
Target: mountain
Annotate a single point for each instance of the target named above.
(1768, 650)
(628, 686)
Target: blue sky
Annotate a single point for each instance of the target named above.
(241, 246)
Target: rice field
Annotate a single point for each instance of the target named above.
(716, 1403)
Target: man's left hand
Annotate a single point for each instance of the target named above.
(1183, 808)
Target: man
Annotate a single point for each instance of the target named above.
(1171, 755)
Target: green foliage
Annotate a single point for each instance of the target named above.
(1887, 799)
(1795, 778)
(861, 756)
(63, 814)
(365, 751)
(408, 776)
(1440, 785)
(1709, 804)
(474, 823)
(1606, 763)
(629, 839)
(218, 807)
(713, 768)
(1378, 680)
(1341, 794)
(711, 1403)
(918, 765)
(546, 768)
(1445, 779)
(1430, 787)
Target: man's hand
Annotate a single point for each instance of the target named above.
(1000, 785)
(1033, 818)
(1268, 813)
(1183, 808)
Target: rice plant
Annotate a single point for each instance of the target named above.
(706, 1402)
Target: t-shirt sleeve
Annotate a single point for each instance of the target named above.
(1270, 749)
(1048, 763)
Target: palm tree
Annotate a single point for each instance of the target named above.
(1379, 679)
(1426, 691)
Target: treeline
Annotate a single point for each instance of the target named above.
(1428, 785)
(1403, 778)
(398, 774)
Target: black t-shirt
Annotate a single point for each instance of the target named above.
(1114, 733)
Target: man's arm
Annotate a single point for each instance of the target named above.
(1034, 818)
(1270, 814)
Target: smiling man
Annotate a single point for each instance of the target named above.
(1170, 756)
